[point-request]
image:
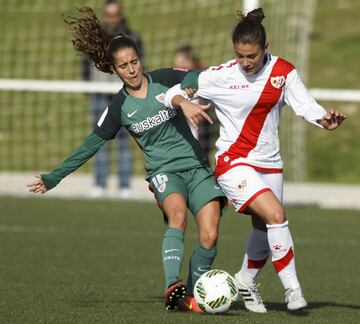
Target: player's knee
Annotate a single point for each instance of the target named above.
(177, 219)
(208, 238)
(277, 216)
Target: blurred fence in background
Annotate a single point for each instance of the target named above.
(38, 129)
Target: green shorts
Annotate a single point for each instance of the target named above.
(198, 186)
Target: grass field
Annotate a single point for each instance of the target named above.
(66, 261)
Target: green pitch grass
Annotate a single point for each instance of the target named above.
(66, 261)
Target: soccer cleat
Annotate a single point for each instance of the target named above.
(294, 299)
(189, 304)
(173, 294)
(251, 296)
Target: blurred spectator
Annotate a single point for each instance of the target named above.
(114, 22)
(185, 57)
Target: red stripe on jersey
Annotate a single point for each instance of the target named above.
(284, 261)
(254, 122)
(222, 66)
(256, 264)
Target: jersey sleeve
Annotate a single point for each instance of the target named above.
(82, 154)
(200, 80)
(171, 93)
(168, 77)
(297, 97)
(196, 79)
(110, 121)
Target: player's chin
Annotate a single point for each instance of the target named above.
(249, 72)
(134, 84)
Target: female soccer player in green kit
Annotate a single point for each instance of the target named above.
(176, 168)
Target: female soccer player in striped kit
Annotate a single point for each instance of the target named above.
(249, 92)
(176, 168)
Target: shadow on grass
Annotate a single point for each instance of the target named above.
(90, 301)
(314, 305)
(93, 300)
(281, 307)
(144, 300)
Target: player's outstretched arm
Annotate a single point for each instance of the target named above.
(81, 155)
(332, 120)
(194, 113)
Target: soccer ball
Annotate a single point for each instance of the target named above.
(214, 291)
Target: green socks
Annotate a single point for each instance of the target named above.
(172, 254)
(200, 262)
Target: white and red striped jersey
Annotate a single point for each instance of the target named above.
(248, 108)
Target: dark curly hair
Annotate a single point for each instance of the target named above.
(91, 40)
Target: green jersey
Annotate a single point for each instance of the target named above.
(162, 133)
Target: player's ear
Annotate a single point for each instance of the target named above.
(266, 47)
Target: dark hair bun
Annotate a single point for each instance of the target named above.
(257, 14)
(249, 28)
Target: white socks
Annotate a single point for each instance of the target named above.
(282, 250)
(278, 240)
(257, 252)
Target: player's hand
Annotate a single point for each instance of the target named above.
(332, 120)
(195, 113)
(37, 185)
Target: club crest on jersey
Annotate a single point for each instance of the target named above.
(278, 81)
(160, 98)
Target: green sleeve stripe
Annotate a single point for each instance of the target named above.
(191, 80)
(82, 154)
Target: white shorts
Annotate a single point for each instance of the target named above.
(242, 184)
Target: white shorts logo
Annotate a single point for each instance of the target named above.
(278, 81)
(159, 182)
(242, 186)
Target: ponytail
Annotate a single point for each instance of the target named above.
(250, 28)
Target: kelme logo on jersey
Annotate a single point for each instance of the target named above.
(150, 122)
(278, 81)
